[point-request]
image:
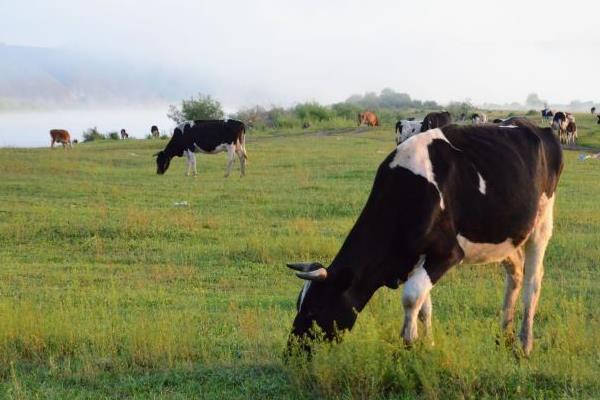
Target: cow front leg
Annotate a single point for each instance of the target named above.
(535, 249)
(425, 317)
(230, 159)
(428, 270)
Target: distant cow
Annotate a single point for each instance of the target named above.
(457, 194)
(547, 114)
(154, 131)
(598, 119)
(436, 120)
(559, 124)
(60, 136)
(205, 136)
(478, 118)
(368, 118)
(124, 134)
(593, 110)
(406, 129)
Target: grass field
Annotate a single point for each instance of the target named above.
(107, 290)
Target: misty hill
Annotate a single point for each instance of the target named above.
(41, 77)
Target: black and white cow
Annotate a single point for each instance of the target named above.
(205, 136)
(407, 128)
(478, 118)
(436, 120)
(560, 122)
(459, 194)
(547, 114)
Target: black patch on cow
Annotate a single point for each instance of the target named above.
(436, 120)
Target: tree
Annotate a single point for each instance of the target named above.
(534, 101)
(202, 107)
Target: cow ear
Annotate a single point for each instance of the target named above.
(309, 271)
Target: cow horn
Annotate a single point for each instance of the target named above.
(305, 267)
(309, 271)
(316, 275)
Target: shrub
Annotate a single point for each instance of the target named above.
(202, 107)
(114, 135)
(91, 134)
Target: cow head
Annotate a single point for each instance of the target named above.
(323, 302)
(162, 162)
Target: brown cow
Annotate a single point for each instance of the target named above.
(368, 118)
(60, 136)
(571, 132)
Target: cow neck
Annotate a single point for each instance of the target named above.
(358, 268)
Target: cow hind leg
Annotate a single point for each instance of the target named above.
(513, 266)
(535, 249)
(230, 159)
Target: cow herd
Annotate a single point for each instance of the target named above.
(447, 194)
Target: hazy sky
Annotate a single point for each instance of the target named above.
(276, 51)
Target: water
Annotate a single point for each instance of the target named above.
(31, 128)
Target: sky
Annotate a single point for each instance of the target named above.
(282, 52)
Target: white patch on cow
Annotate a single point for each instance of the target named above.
(408, 129)
(481, 183)
(303, 294)
(508, 126)
(413, 154)
(479, 253)
(415, 293)
(218, 149)
(418, 281)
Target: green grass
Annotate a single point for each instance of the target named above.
(109, 291)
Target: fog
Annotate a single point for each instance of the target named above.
(281, 52)
(31, 129)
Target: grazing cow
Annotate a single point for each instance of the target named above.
(478, 118)
(571, 133)
(547, 114)
(406, 129)
(124, 134)
(205, 136)
(559, 124)
(60, 136)
(368, 118)
(436, 120)
(593, 110)
(154, 131)
(472, 194)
